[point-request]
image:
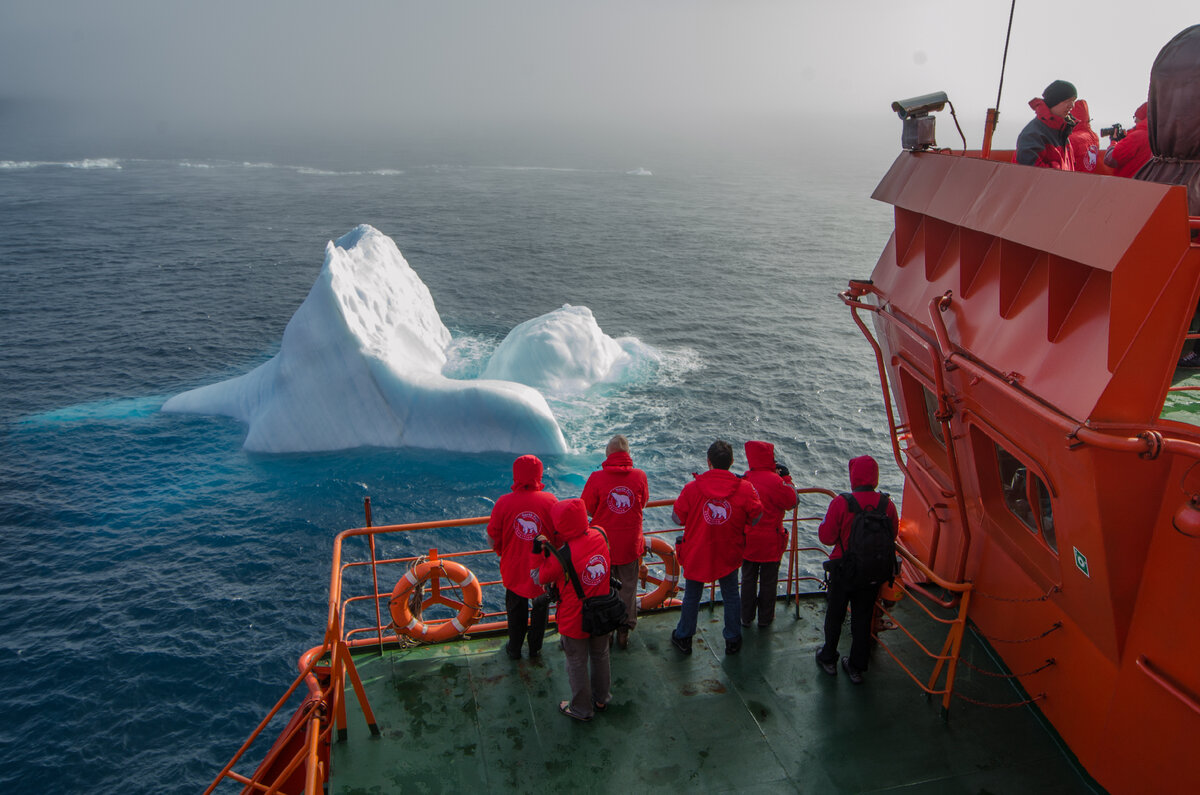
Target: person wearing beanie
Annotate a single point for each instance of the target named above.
(586, 551)
(1045, 140)
(615, 496)
(1126, 156)
(835, 531)
(517, 518)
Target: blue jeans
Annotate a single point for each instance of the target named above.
(691, 607)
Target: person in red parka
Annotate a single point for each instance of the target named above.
(517, 518)
(615, 496)
(587, 551)
(766, 540)
(1084, 143)
(835, 531)
(715, 509)
(1044, 140)
(1126, 156)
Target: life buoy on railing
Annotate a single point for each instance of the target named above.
(670, 579)
(469, 609)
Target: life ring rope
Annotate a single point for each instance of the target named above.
(469, 610)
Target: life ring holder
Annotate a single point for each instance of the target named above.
(669, 583)
(469, 610)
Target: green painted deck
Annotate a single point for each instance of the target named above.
(1183, 406)
(462, 717)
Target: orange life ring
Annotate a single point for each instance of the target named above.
(469, 610)
(670, 579)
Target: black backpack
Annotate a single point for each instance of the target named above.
(869, 556)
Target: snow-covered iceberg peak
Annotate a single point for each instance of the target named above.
(565, 351)
(360, 365)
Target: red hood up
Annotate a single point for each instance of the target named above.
(527, 474)
(1082, 115)
(570, 518)
(760, 455)
(864, 472)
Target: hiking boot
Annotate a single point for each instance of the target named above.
(623, 638)
(1189, 361)
(827, 667)
(683, 644)
(512, 655)
(733, 646)
(855, 675)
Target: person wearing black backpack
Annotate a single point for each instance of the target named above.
(861, 527)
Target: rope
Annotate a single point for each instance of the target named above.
(1053, 590)
(990, 705)
(972, 665)
(1057, 625)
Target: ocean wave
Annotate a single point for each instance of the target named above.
(87, 163)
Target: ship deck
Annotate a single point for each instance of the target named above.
(461, 716)
(1184, 405)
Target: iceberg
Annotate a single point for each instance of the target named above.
(360, 366)
(565, 352)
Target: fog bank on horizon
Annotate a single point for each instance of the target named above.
(149, 75)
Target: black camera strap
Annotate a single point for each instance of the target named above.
(568, 563)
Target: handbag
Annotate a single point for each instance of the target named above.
(600, 615)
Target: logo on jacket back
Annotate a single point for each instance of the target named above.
(527, 525)
(595, 570)
(716, 511)
(620, 499)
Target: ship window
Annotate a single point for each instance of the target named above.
(1026, 496)
(935, 425)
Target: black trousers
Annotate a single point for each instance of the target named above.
(759, 587)
(862, 609)
(520, 621)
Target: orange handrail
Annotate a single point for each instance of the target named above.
(948, 656)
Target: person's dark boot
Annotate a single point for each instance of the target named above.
(683, 644)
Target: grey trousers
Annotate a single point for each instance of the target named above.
(587, 690)
(627, 573)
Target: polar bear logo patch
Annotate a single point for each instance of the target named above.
(620, 499)
(595, 570)
(716, 512)
(526, 525)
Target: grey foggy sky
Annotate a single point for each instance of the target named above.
(389, 66)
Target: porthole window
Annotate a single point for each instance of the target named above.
(1026, 497)
(935, 425)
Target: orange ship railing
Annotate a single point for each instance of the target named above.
(947, 658)
(299, 758)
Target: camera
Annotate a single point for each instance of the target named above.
(782, 470)
(1115, 132)
(918, 131)
(540, 547)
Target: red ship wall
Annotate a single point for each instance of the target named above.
(1069, 298)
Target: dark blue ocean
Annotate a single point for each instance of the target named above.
(159, 582)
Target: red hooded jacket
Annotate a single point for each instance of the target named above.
(1128, 155)
(835, 529)
(615, 495)
(517, 518)
(1085, 144)
(1044, 141)
(766, 540)
(589, 556)
(714, 509)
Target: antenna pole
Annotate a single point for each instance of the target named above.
(993, 114)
